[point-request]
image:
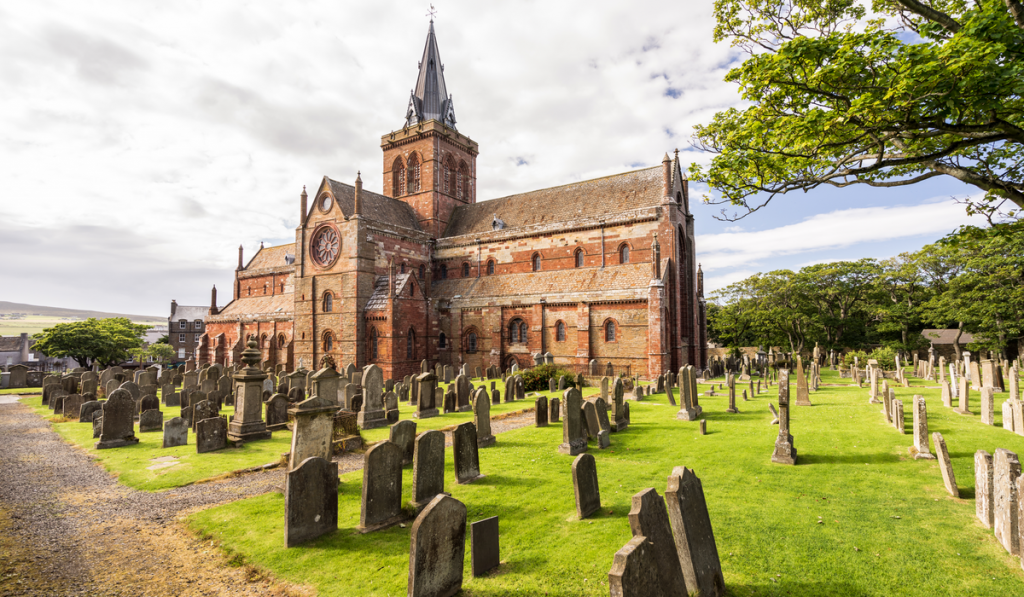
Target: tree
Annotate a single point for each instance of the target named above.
(106, 341)
(918, 89)
(903, 290)
(161, 352)
(838, 293)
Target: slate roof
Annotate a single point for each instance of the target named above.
(189, 313)
(375, 207)
(13, 343)
(267, 258)
(609, 283)
(274, 305)
(946, 336)
(379, 298)
(608, 195)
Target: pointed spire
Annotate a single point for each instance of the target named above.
(239, 257)
(357, 208)
(303, 205)
(656, 258)
(213, 300)
(700, 281)
(429, 100)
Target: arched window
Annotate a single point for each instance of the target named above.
(460, 181)
(280, 341)
(624, 253)
(442, 340)
(263, 341)
(471, 342)
(490, 267)
(411, 290)
(328, 302)
(414, 173)
(328, 343)
(464, 181)
(398, 178)
(423, 272)
(448, 167)
(444, 272)
(410, 346)
(373, 344)
(579, 257)
(402, 268)
(517, 331)
(465, 270)
(536, 262)
(560, 332)
(609, 331)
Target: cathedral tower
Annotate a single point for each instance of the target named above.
(428, 163)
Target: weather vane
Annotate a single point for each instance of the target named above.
(432, 13)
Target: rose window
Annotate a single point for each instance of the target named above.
(325, 246)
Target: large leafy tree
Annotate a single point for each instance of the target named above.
(839, 294)
(105, 341)
(840, 95)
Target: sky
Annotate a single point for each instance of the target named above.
(142, 142)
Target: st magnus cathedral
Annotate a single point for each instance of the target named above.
(599, 270)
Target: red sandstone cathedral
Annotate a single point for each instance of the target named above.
(601, 270)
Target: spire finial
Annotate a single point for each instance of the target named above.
(432, 13)
(677, 153)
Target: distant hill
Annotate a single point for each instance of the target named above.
(7, 307)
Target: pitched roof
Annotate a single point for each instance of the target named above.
(429, 99)
(13, 343)
(946, 336)
(281, 256)
(374, 206)
(617, 282)
(189, 313)
(589, 198)
(273, 305)
(379, 298)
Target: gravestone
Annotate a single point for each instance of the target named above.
(540, 418)
(987, 405)
(88, 408)
(784, 452)
(899, 420)
(573, 439)
(151, 420)
(584, 483)
(731, 383)
(428, 467)
(72, 406)
(482, 419)
(132, 388)
(984, 497)
(553, 411)
(148, 402)
(325, 383)
(97, 423)
(920, 449)
(391, 412)
(425, 386)
(175, 433)
(277, 412)
(372, 415)
(211, 435)
(619, 422)
(965, 398)
(462, 391)
(593, 423)
(485, 551)
(313, 430)
(382, 488)
(803, 397)
(202, 410)
(775, 414)
(634, 571)
(648, 517)
(437, 549)
(118, 428)
(403, 435)
(694, 537)
(945, 466)
(247, 424)
(947, 394)
(310, 501)
(602, 414)
(1005, 471)
(19, 376)
(687, 391)
(466, 454)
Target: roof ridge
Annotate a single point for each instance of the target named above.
(568, 184)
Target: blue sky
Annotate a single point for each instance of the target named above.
(143, 141)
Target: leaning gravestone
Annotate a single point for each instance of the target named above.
(584, 483)
(634, 571)
(984, 499)
(403, 435)
(467, 456)
(649, 518)
(151, 420)
(311, 501)
(945, 466)
(437, 549)
(211, 435)
(175, 433)
(118, 426)
(694, 537)
(382, 488)
(428, 467)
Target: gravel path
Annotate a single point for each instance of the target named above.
(68, 528)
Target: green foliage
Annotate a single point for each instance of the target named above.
(106, 341)
(165, 339)
(161, 353)
(839, 97)
(536, 378)
(885, 356)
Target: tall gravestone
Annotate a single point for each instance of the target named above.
(118, 426)
(437, 549)
(648, 517)
(694, 537)
(1005, 471)
(382, 488)
(984, 498)
(574, 441)
(920, 449)
(310, 501)
(372, 415)
(313, 430)
(426, 384)
(540, 412)
(428, 467)
(466, 453)
(584, 483)
(784, 452)
(945, 466)
(482, 419)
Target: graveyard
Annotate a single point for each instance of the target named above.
(857, 514)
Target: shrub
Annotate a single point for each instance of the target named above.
(536, 379)
(886, 358)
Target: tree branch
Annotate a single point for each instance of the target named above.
(1017, 10)
(933, 15)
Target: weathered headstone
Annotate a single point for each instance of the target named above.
(485, 551)
(988, 398)
(372, 415)
(425, 386)
(634, 571)
(984, 497)
(211, 435)
(648, 517)
(151, 420)
(694, 537)
(428, 467)
(313, 430)
(482, 419)
(72, 406)
(784, 452)
(540, 412)
(175, 433)
(920, 449)
(310, 501)
(584, 483)
(382, 488)
(277, 412)
(438, 549)
(118, 427)
(467, 456)
(553, 410)
(403, 435)
(574, 441)
(1005, 471)
(88, 408)
(945, 466)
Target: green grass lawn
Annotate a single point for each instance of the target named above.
(130, 464)
(886, 527)
(26, 391)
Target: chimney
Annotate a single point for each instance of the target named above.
(24, 347)
(239, 257)
(656, 257)
(666, 168)
(174, 307)
(213, 300)
(302, 214)
(357, 209)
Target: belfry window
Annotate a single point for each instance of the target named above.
(414, 173)
(398, 178)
